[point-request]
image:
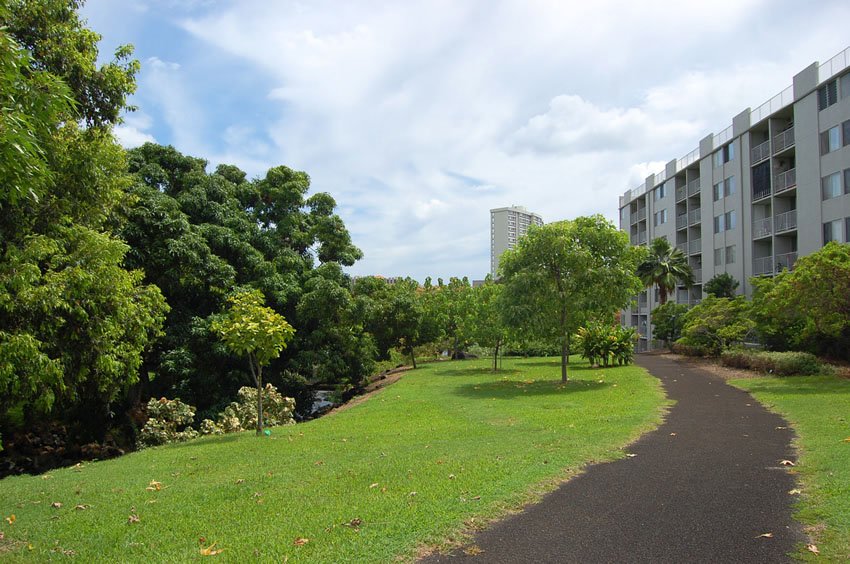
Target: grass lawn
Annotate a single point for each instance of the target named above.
(818, 407)
(449, 446)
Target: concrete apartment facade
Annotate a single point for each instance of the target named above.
(507, 225)
(750, 200)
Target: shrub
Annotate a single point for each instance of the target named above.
(717, 323)
(606, 344)
(689, 350)
(778, 363)
(242, 414)
(667, 321)
(168, 422)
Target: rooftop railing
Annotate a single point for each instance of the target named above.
(684, 162)
(784, 98)
(834, 66)
(723, 137)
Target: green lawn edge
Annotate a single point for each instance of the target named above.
(818, 409)
(446, 449)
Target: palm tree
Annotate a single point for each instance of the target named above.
(665, 267)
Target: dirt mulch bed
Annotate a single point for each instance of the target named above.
(390, 377)
(714, 366)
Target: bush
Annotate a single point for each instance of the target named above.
(242, 414)
(778, 363)
(689, 350)
(717, 323)
(168, 422)
(667, 321)
(606, 344)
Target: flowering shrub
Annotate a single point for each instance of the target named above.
(168, 422)
(242, 414)
(607, 344)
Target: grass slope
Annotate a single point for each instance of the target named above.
(818, 407)
(451, 443)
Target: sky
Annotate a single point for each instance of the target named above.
(418, 117)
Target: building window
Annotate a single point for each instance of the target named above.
(659, 193)
(730, 254)
(830, 140)
(847, 180)
(847, 225)
(659, 218)
(845, 134)
(831, 186)
(729, 185)
(730, 220)
(845, 85)
(718, 256)
(832, 231)
(719, 225)
(724, 154)
(717, 191)
(828, 94)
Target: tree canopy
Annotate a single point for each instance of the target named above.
(665, 266)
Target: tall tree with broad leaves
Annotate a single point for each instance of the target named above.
(665, 267)
(563, 274)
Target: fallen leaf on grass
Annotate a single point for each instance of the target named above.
(318, 463)
(133, 519)
(631, 455)
(46, 477)
(11, 519)
(300, 541)
(210, 550)
(786, 463)
(411, 494)
(375, 485)
(847, 440)
(780, 428)
(354, 523)
(672, 434)
(2, 535)
(240, 481)
(795, 491)
(451, 476)
(472, 551)
(812, 548)
(154, 486)
(56, 505)
(81, 507)
(765, 536)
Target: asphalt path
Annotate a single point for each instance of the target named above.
(709, 485)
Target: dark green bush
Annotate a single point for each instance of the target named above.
(778, 363)
(690, 349)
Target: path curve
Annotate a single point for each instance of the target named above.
(703, 487)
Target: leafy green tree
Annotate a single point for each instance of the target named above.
(562, 274)
(722, 286)
(717, 323)
(453, 308)
(489, 328)
(667, 321)
(809, 307)
(665, 266)
(251, 329)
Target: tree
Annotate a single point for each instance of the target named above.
(665, 267)
(668, 320)
(250, 328)
(722, 286)
(454, 310)
(489, 329)
(562, 274)
(716, 323)
(808, 307)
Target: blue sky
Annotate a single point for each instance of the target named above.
(420, 116)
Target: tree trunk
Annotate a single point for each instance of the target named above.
(413, 358)
(565, 346)
(259, 400)
(662, 295)
(496, 356)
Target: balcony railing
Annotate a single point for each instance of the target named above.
(782, 141)
(762, 227)
(761, 194)
(639, 215)
(681, 193)
(693, 216)
(693, 187)
(682, 247)
(641, 237)
(697, 275)
(785, 221)
(785, 180)
(785, 261)
(681, 221)
(760, 152)
(641, 303)
(695, 247)
(763, 265)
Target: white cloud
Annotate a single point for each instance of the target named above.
(133, 131)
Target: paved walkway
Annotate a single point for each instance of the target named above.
(701, 488)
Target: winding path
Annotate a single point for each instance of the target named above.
(706, 486)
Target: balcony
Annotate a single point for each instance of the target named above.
(762, 227)
(786, 221)
(682, 247)
(641, 237)
(762, 266)
(760, 152)
(695, 247)
(785, 180)
(697, 275)
(782, 141)
(761, 194)
(642, 302)
(693, 216)
(693, 187)
(681, 193)
(785, 261)
(639, 215)
(681, 221)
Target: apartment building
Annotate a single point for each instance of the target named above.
(507, 225)
(750, 200)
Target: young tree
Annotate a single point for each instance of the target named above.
(489, 329)
(665, 267)
(454, 308)
(562, 274)
(250, 328)
(721, 286)
(668, 320)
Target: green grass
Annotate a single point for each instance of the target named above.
(818, 408)
(449, 446)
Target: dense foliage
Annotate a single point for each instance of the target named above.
(664, 267)
(788, 363)
(606, 345)
(717, 323)
(722, 285)
(668, 320)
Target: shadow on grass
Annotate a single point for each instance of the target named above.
(208, 440)
(478, 372)
(513, 388)
(800, 385)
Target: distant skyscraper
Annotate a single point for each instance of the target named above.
(507, 225)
